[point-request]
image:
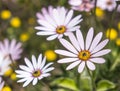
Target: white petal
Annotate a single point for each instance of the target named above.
(52, 37)
(34, 62)
(50, 20)
(67, 60)
(74, 41)
(27, 82)
(96, 40)
(89, 38)
(80, 39)
(45, 33)
(101, 53)
(81, 67)
(65, 53)
(68, 17)
(100, 46)
(90, 65)
(73, 28)
(98, 60)
(22, 80)
(35, 80)
(48, 69)
(25, 68)
(62, 15)
(46, 66)
(71, 66)
(43, 63)
(74, 21)
(56, 16)
(68, 46)
(29, 64)
(45, 24)
(45, 75)
(39, 61)
(44, 28)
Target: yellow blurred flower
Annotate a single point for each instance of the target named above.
(8, 72)
(99, 12)
(119, 25)
(118, 41)
(15, 22)
(50, 55)
(111, 34)
(6, 88)
(5, 14)
(13, 76)
(24, 37)
(31, 21)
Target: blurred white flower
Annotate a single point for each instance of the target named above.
(106, 4)
(11, 49)
(33, 71)
(1, 83)
(4, 64)
(81, 5)
(83, 53)
(57, 22)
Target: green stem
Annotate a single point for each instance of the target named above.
(92, 79)
(78, 80)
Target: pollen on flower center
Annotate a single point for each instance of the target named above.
(84, 55)
(36, 73)
(60, 29)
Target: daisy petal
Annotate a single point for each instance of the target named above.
(52, 37)
(74, 41)
(45, 33)
(68, 46)
(27, 82)
(67, 60)
(81, 67)
(35, 80)
(101, 53)
(68, 17)
(89, 38)
(80, 39)
(90, 65)
(98, 60)
(100, 46)
(71, 66)
(96, 40)
(65, 53)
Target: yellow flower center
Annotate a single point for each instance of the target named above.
(36, 73)
(60, 29)
(84, 55)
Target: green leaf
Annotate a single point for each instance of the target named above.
(66, 83)
(104, 85)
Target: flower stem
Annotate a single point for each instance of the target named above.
(92, 79)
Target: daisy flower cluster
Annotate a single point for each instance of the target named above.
(88, 5)
(9, 52)
(58, 22)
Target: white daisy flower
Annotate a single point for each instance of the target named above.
(57, 23)
(1, 83)
(83, 53)
(11, 49)
(4, 64)
(33, 71)
(81, 5)
(106, 4)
